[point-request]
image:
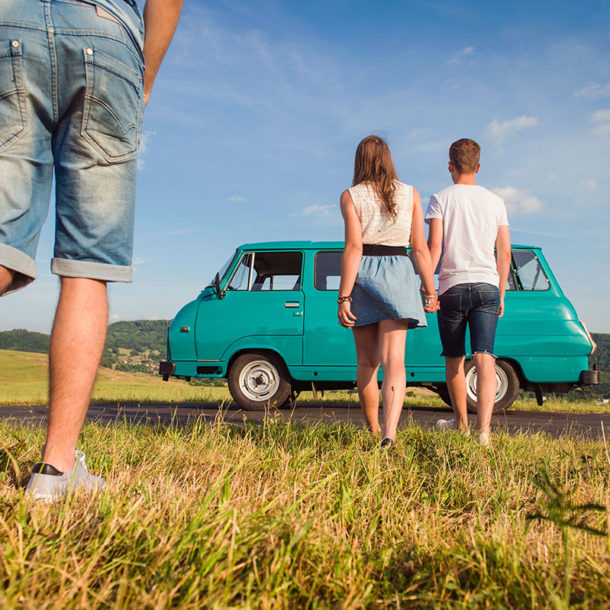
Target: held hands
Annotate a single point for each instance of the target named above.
(430, 301)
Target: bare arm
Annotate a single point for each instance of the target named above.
(503, 261)
(421, 254)
(350, 261)
(160, 21)
(435, 240)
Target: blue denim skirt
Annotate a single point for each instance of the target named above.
(386, 289)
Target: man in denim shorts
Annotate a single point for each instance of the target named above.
(72, 94)
(466, 222)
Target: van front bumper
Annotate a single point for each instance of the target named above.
(166, 368)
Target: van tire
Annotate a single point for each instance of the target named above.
(508, 386)
(259, 381)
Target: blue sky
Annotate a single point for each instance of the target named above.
(253, 122)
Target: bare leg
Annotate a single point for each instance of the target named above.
(366, 340)
(77, 343)
(456, 384)
(392, 339)
(486, 389)
(6, 278)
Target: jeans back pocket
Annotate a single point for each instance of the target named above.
(12, 93)
(114, 100)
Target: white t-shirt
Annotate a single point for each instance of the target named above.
(471, 216)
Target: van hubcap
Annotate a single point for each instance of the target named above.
(259, 380)
(501, 383)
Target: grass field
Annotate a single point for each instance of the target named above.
(23, 381)
(280, 515)
(285, 516)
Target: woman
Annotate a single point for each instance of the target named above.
(378, 296)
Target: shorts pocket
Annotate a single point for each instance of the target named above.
(489, 299)
(112, 114)
(12, 93)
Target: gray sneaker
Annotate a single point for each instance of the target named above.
(49, 484)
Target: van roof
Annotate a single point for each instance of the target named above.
(318, 245)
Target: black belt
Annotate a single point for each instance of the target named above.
(380, 250)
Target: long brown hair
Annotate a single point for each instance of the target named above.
(373, 164)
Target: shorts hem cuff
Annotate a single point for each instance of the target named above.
(19, 262)
(483, 351)
(94, 271)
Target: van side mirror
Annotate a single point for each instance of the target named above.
(219, 292)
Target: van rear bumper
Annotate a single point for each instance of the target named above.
(590, 377)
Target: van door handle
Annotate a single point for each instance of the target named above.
(292, 304)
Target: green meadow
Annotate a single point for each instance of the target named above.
(23, 381)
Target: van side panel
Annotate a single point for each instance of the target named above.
(553, 369)
(287, 347)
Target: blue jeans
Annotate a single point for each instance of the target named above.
(71, 101)
(474, 305)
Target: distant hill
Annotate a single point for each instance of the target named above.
(138, 345)
(602, 353)
(21, 340)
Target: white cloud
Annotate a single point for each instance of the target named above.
(499, 131)
(236, 198)
(457, 58)
(603, 129)
(324, 211)
(601, 116)
(327, 215)
(594, 91)
(518, 201)
(589, 185)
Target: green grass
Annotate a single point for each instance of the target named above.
(286, 516)
(23, 381)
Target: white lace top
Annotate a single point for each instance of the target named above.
(378, 226)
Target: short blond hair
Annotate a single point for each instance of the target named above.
(465, 155)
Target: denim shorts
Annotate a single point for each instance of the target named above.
(71, 103)
(476, 305)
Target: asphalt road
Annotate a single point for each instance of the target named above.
(556, 424)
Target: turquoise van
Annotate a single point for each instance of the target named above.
(268, 324)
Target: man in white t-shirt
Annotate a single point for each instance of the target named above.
(466, 223)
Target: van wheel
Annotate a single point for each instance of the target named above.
(507, 386)
(259, 381)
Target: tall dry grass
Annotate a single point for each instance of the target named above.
(286, 516)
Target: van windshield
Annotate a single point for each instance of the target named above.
(223, 270)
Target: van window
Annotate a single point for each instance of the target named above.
(327, 270)
(262, 271)
(529, 274)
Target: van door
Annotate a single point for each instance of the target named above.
(326, 342)
(262, 306)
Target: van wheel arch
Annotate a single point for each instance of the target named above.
(259, 379)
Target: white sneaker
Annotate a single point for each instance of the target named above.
(445, 424)
(49, 484)
(449, 424)
(484, 439)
